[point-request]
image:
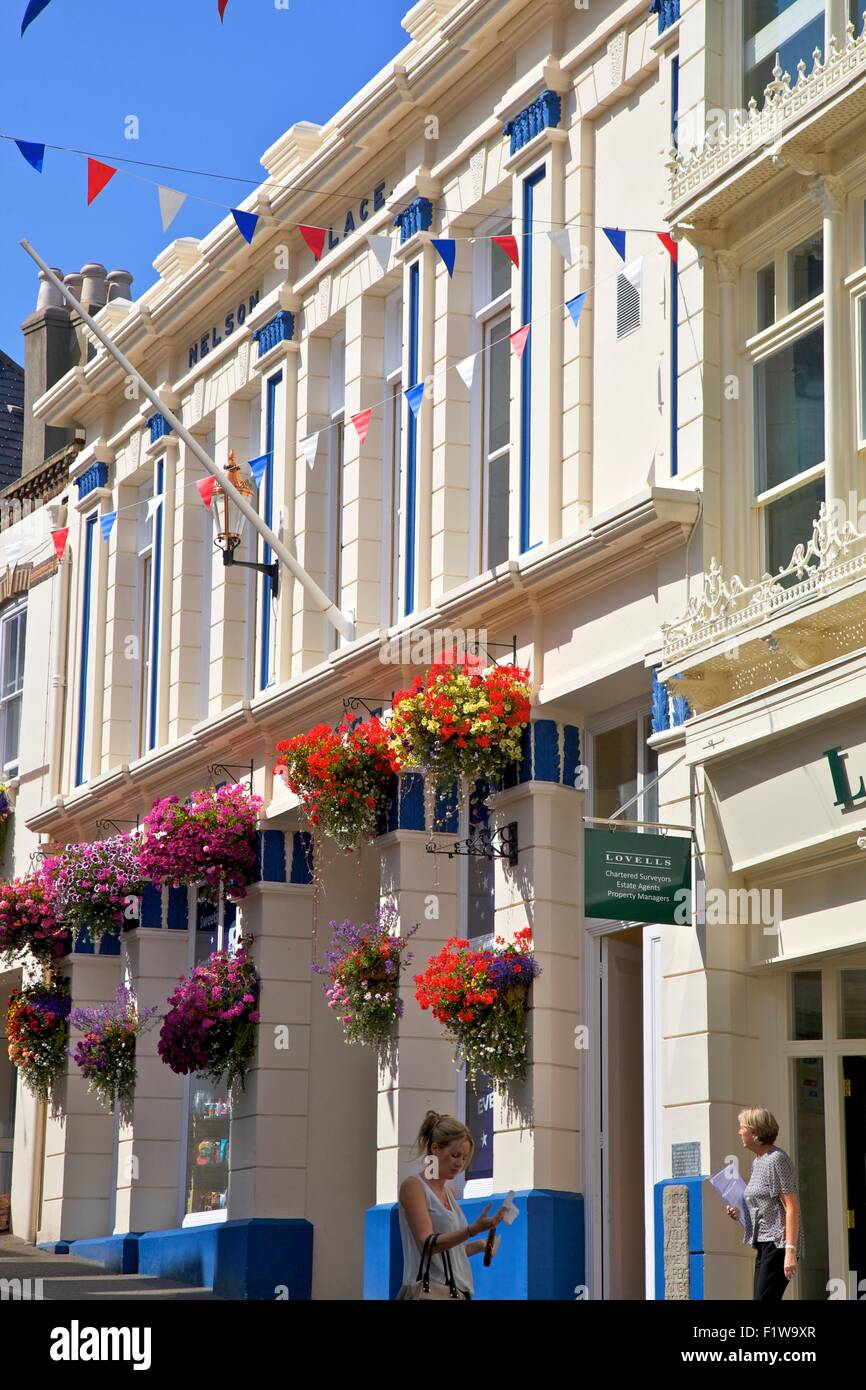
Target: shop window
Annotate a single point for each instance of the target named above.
(852, 1020)
(790, 28)
(806, 271)
(13, 627)
(765, 286)
(806, 1013)
(209, 1107)
(809, 1156)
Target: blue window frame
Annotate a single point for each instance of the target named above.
(266, 492)
(157, 594)
(89, 534)
(530, 183)
(412, 438)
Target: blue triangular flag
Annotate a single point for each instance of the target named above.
(106, 523)
(33, 9)
(34, 154)
(447, 250)
(575, 305)
(247, 223)
(257, 468)
(616, 239)
(415, 396)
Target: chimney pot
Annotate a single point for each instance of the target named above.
(93, 292)
(75, 281)
(119, 284)
(49, 296)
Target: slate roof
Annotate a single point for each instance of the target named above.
(11, 423)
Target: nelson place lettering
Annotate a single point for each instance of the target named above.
(235, 318)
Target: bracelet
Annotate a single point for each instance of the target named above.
(791, 1247)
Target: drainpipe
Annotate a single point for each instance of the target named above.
(60, 623)
(345, 626)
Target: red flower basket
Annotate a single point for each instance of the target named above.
(341, 776)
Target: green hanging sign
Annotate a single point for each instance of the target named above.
(635, 877)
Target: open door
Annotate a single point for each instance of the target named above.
(622, 1118)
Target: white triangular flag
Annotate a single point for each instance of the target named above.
(170, 204)
(563, 243)
(381, 246)
(13, 553)
(152, 504)
(466, 368)
(309, 447)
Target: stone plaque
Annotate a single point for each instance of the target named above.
(686, 1160)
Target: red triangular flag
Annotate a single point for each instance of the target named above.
(98, 176)
(361, 421)
(222, 5)
(518, 340)
(668, 242)
(205, 489)
(59, 539)
(508, 244)
(315, 239)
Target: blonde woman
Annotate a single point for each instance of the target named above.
(771, 1207)
(428, 1206)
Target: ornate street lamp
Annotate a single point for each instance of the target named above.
(229, 523)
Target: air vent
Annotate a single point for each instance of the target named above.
(628, 299)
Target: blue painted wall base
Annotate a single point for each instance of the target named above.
(257, 1259)
(116, 1253)
(541, 1255)
(696, 1189)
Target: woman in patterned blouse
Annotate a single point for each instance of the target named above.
(771, 1207)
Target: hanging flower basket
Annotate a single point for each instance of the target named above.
(37, 1028)
(28, 918)
(106, 1054)
(481, 997)
(210, 1027)
(95, 885)
(456, 722)
(341, 777)
(211, 841)
(362, 983)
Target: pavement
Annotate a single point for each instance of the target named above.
(66, 1278)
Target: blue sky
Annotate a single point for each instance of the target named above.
(207, 96)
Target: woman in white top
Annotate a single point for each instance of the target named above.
(428, 1206)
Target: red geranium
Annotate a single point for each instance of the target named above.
(341, 776)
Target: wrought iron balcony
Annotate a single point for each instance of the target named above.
(735, 637)
(804, 116)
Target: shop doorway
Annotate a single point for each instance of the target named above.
(622, 1131)
(854, 1120)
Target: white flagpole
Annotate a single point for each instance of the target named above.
(335, 615)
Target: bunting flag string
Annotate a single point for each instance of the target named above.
(170, 204)
(99, 175)
(152, 504)
(575, 305)
(246, 223)
(309, 448)
(59, 537)
(415, 395)
(33, 153)
(361, 421)
(562, 240)
(466, 370)
(508, 244)
(106, 523)
(315, 239)
(381, 246)
(206, 489)
(257, 468)
(616, 237)
(447, 248)
(670, 245)
(223, 4)
(34, 9)
(518, 340)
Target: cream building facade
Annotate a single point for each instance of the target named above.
(564, 503)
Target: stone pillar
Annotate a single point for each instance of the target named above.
(577, 376)
(829, 194)
(311, 500)
(231, 640)
(79, 1139)
(185, 569)
(422, 888)
(362, 465)
(149, 1146)
(736, 486)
